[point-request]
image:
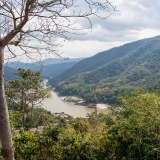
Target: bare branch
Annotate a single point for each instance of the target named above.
(30, 24)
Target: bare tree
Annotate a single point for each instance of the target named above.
(34, 26)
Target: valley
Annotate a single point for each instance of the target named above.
(57, 105)
(121, 69)
(98, 79)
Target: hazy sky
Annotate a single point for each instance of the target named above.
(133, 20)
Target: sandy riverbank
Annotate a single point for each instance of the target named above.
(78, 101)
(102, 106)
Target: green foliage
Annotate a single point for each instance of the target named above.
(30, 146)
(81, 126)
(15, 117)
(75, 140)
(77, 148)
(26, 92)
(136, 133)
(132, 132)
(101, 118)
(39, 117)
(52, 131)
(29, 88)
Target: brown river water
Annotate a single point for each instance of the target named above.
(57, 105)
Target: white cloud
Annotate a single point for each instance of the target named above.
(87, 48)
(130, 16)
(132, 21)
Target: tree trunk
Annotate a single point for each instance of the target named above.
(32, 111)
(23, 109)
(5, 130)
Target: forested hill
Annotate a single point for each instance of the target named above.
(100, 59)
(128, 67)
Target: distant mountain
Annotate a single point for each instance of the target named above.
(50, 67)
(54, 70)
(17, 64)
(131, 66)
(49, 61)
(9, 73)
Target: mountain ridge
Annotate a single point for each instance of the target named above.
(122, 73)
(50, 67)
(100, 59)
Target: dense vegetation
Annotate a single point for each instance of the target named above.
(128, 67)
(131, 132)
(26, 93)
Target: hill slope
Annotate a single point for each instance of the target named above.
(131, 66)
(100, 59)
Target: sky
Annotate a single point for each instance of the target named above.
(133, 20)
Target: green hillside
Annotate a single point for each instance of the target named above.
(100, 59)
(125, 68)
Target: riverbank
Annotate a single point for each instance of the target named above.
(56, 104)
(75, 107)
(81, 102)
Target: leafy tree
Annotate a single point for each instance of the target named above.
(136, 132)
(81, 126)
(41, 117)
(27, 91)
(30, 146)
(14, 117)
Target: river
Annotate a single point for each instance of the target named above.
(56, 104)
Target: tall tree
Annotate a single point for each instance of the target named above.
(136, 133)
(33, 26)
(26, 91)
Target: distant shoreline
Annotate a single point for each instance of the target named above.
(79, 101)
